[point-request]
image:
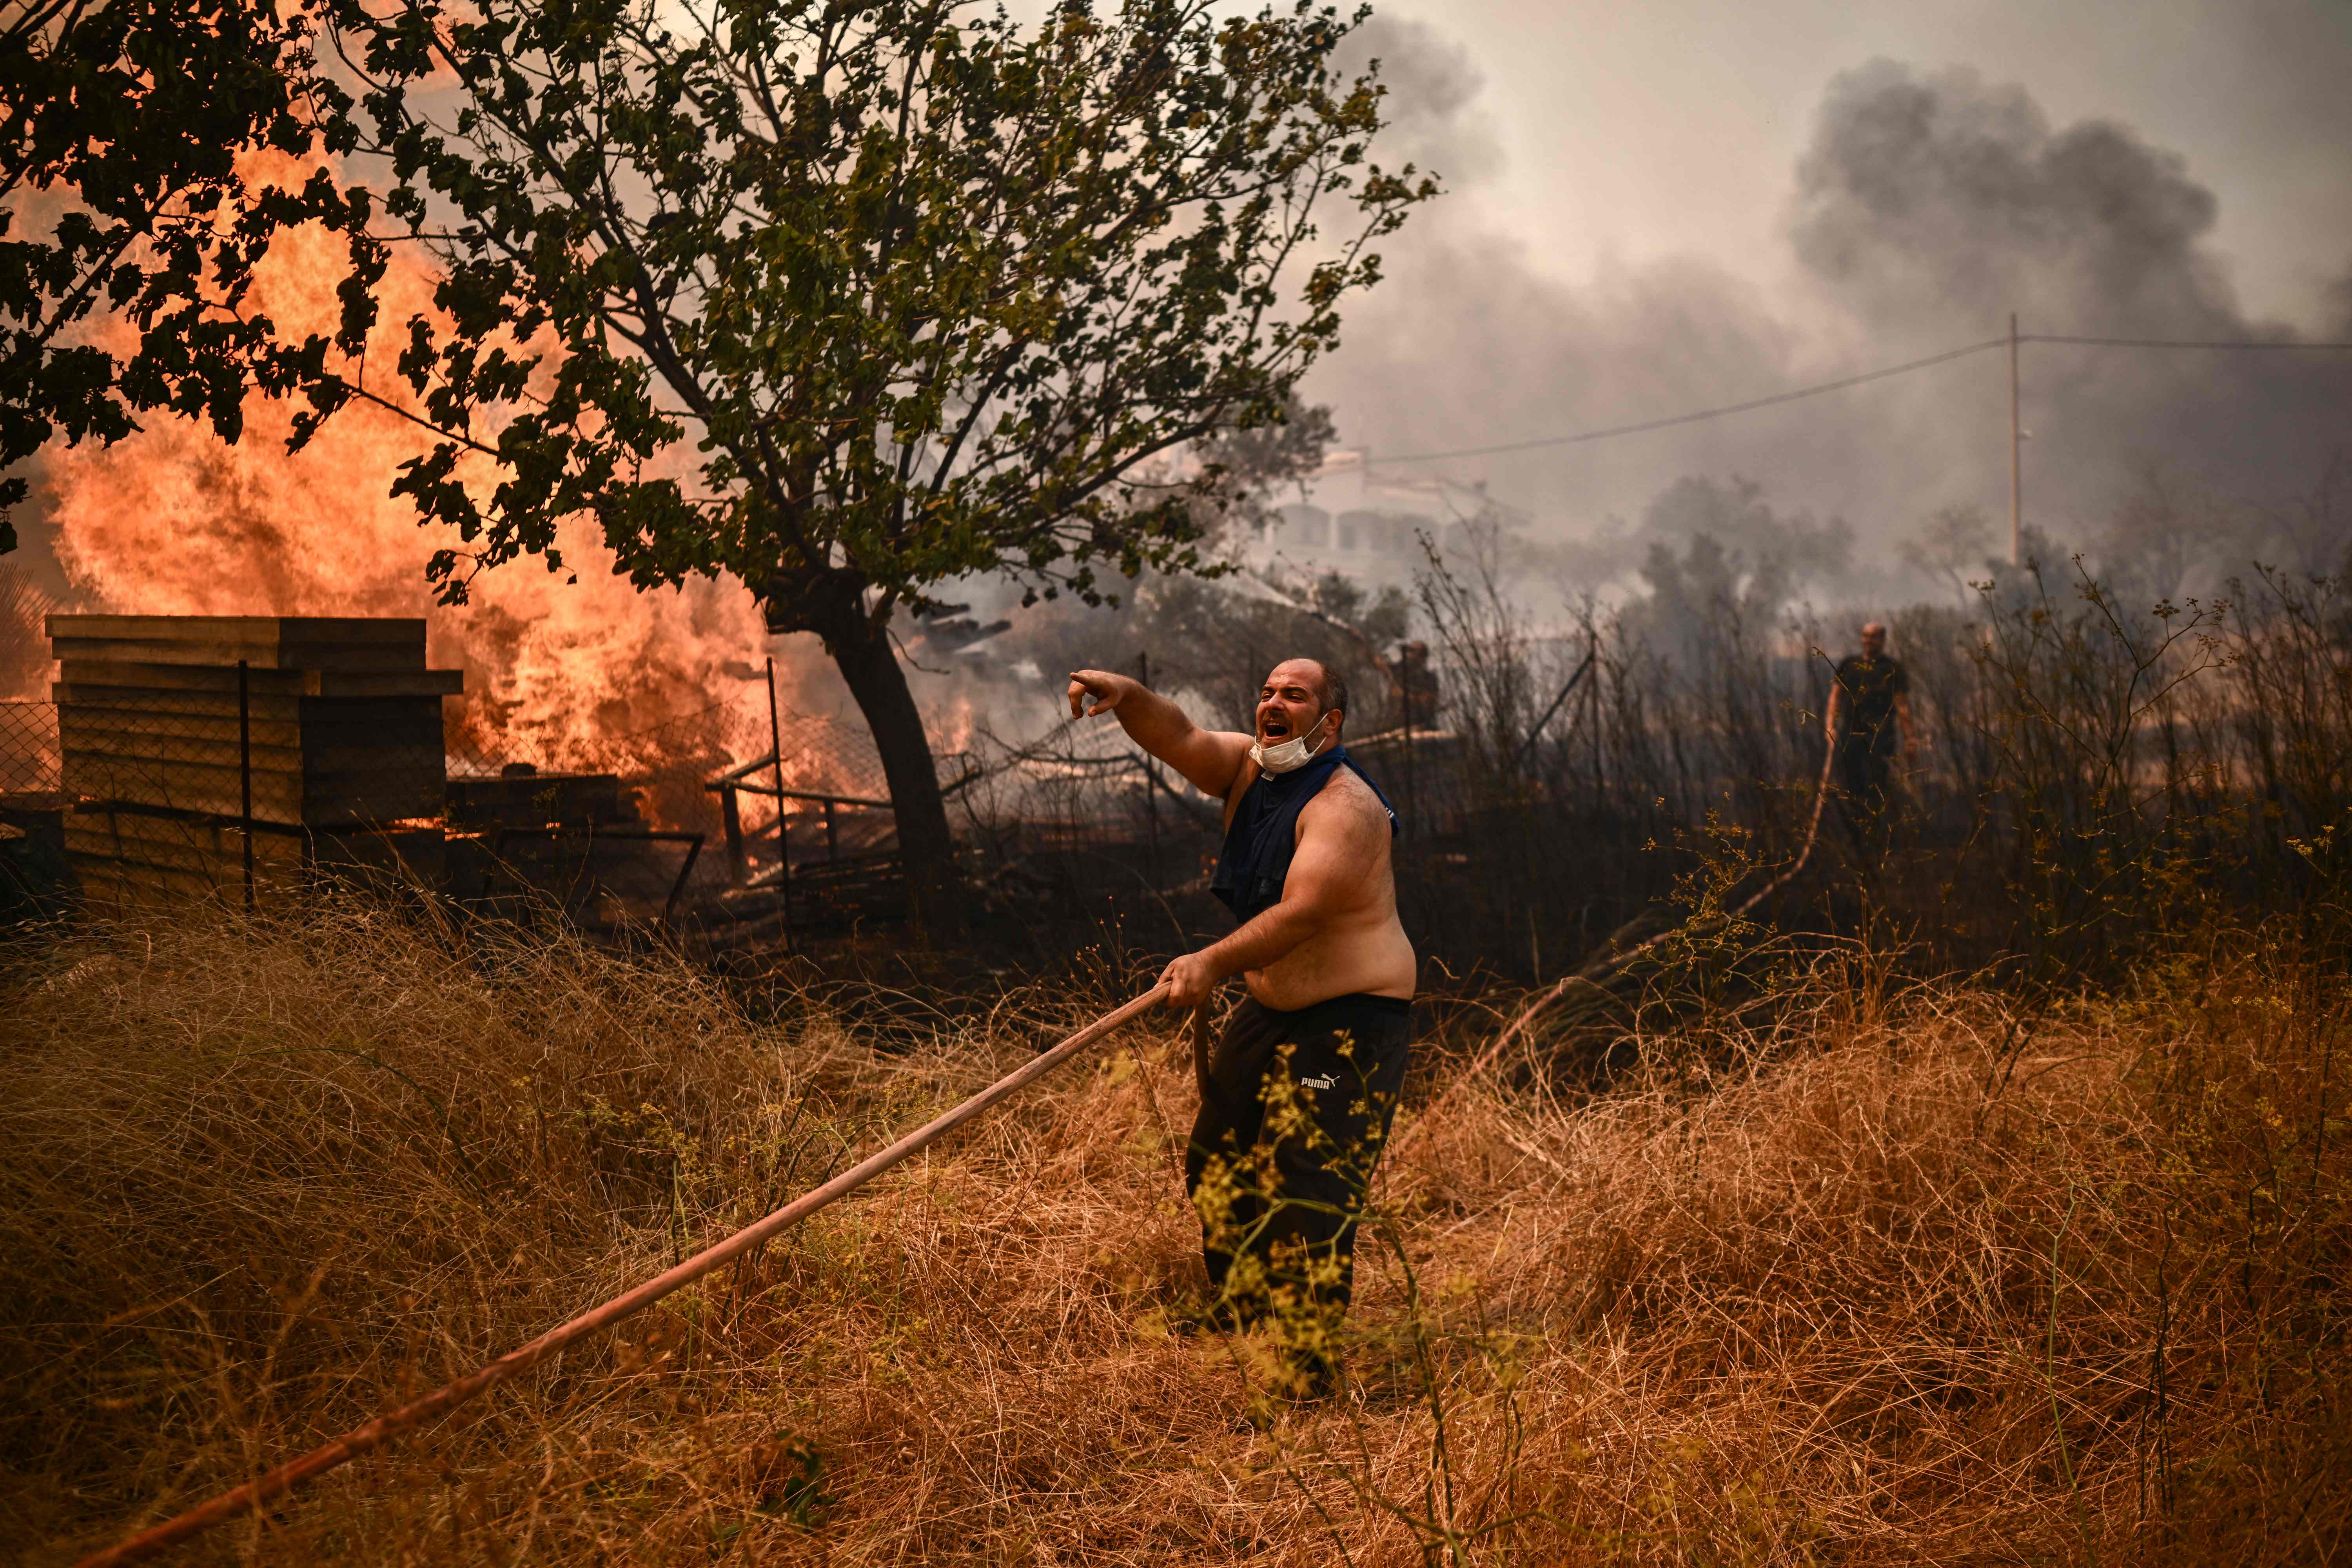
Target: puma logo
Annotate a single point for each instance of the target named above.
(1325, 1082)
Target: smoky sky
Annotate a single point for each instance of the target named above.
(1925, 203)
(1659, 208)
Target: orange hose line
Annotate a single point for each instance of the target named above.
(360, 1439)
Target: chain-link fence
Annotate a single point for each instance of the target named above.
(33, 880)
(223, 782)
(29, 757)
(198, 780)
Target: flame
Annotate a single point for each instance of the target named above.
(952, 725)
(572, 671)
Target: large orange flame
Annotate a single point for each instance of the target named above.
(567, 670)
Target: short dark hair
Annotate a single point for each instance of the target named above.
(1335, 688)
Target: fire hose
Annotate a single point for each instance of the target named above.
(299, 1472)
(341, 1450)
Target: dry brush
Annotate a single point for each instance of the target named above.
(1884, 1271)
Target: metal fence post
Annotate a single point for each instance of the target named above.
(245, 771)
(1150, 774)
(783, 841)
(1598, 782)
(730, 821)
(1412, 794)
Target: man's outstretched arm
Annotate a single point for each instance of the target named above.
(1338, 845)
(1210, 760)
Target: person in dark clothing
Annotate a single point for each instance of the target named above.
(1297, 1097)
(1869, 710)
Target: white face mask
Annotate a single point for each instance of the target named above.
(1287, 756)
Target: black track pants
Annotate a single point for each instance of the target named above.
(1295, 1178)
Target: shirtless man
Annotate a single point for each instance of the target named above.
(1306, 867)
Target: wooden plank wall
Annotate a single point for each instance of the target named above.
(345, 727)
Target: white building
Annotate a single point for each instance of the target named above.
(1366, 518)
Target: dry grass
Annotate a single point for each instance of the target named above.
(1895, 1280)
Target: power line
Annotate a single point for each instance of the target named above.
(1797, 393)
(2179, 342)
(1696, 415)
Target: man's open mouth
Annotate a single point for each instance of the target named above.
(1273, 729)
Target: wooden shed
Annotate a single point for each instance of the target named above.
(331, 731)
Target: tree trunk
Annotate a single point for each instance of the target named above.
(869, 664)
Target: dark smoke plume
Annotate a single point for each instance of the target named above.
(1927, 207)
(1930, 205)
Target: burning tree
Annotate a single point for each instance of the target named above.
(849, 300)
(124, 130)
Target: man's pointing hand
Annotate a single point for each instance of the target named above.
(1106, 689)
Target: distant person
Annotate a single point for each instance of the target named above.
(1869, 710)
(1306, 868)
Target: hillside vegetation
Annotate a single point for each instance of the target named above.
(1865, 1271)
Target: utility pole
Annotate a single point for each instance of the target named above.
(2016, 474)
